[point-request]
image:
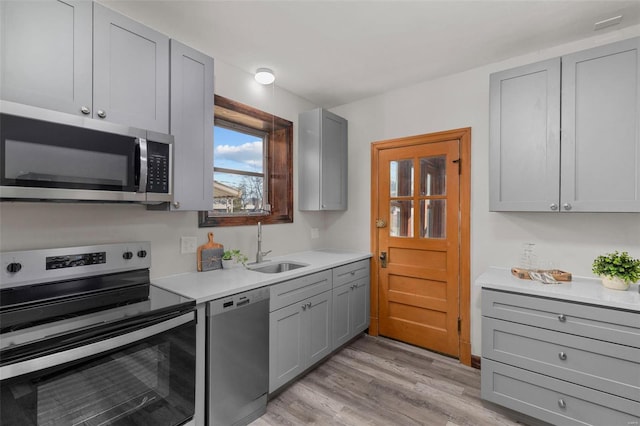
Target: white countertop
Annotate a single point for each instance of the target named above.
(210, 285)
(580, 289)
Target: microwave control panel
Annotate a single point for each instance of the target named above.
(158, 168)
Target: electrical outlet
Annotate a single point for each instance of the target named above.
(315, 233)
(188, 245)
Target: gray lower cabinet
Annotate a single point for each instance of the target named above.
(46, 54)
(591, 163)
(561, 362)
(350, 301)
(299, 325)
(299, 336)
(323, 158)
(82, 58)
(192, 128)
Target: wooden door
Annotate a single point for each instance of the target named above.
(417, 238)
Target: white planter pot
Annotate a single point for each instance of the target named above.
(228, 264)
(614, 283)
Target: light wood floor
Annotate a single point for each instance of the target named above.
(378, 381)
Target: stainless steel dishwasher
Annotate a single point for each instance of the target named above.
(238, 358)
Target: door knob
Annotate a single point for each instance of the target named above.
(101, 113)
(567, 206)
(383, 259)
(553, 206)
(85, 110)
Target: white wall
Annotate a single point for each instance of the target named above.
(25, 225)
(570, 241)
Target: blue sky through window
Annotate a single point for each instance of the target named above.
(238, 151)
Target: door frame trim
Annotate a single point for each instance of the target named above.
(464, 286)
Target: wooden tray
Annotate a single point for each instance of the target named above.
(557, 274)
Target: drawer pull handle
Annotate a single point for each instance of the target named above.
(561, 403)
(562, 356)
(562, 318)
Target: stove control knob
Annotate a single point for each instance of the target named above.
(127, 255)
(14, 267)
(142, 253)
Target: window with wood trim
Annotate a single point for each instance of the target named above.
(264, 194)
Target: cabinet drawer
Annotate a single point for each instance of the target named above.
(351, 272)
(554, 401)
(612, 325)
(295, 290)
(593, 363)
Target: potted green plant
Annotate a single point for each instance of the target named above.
(232, 258)
(617, 270)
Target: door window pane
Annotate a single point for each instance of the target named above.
(401, 178)
(433, 218)
(433, 176)
(401, 218)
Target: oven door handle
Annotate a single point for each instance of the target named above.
(60, 358)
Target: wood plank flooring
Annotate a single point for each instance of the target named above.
(378, 381)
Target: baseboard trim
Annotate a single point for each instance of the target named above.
(476, 361)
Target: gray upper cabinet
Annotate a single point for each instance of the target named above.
(192, 127)
(593, 163)
(525, 138)
(46, 54)
(323, 175)
(81, 58)
(131, 72)
(601, 129)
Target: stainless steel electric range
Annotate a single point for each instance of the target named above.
(85, 339)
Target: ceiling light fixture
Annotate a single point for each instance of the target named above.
(265, 76)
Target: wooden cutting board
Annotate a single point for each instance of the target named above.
(557, 274)
(209, 255)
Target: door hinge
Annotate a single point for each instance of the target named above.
(459, 162)
(459, 325)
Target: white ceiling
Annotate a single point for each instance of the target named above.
(336, 52)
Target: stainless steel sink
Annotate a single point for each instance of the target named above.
(277, 267)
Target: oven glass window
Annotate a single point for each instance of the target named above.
(150, 382)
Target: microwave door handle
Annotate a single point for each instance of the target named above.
(63, 357)
(142, 187)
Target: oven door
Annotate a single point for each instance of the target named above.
(131, 374)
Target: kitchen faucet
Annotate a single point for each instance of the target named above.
(260, 254)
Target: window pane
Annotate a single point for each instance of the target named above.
(401, 178)
(237, 150)
(233, 193)
(401, 218)
(433, 218)
(433, 176)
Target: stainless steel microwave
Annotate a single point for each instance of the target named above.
(52, 156)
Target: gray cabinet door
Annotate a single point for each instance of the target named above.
(322, 157)
(360, 306)
(130, 72)
(525, 138)
(341, 315)
(318, 327)
(287, 342)
(46, 54)
(601, 129)
(192, 127)
(333, 169)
